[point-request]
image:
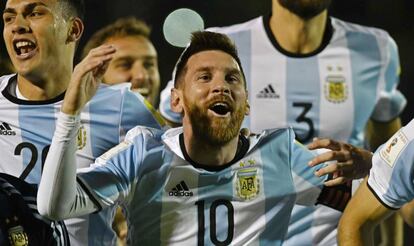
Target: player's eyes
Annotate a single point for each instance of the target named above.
(232, 78)
(7, 18)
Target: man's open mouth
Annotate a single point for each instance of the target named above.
(24, 48)
(220, 108)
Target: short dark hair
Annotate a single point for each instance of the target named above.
(203, 41)
(74, 8)
(123, 27)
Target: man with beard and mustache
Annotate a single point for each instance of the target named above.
(200, 184)
(324, 77)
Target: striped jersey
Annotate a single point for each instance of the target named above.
(391, 177)
(170, 200)
(26, 131)
(332, 92)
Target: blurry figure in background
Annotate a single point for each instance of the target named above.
(326, 78)
(135, 61)
(6, 67)
(136, 58)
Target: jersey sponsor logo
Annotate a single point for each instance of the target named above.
(6, 130)
(181, 189)
(268, 93)
(393, 147)
(81, 139)
(247, 183)
(336, 90)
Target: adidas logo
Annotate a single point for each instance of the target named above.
(180, 189)
(5, 129)
(268, 92)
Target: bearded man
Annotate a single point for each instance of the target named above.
(200, 184)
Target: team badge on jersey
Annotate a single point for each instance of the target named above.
(392, 149)
(247, 183)
(336, 90)
(81, 139)
(18, 236)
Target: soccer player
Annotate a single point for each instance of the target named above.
(135, 60)
(321, 75)
(389, 187)
(41, 37)
(201, 184)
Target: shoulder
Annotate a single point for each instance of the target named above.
(240, 27)
(277, 137)
(144, 133)
(4, 80)
(353, 30)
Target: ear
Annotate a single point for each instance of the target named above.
(176, 101)
(76, 30)
(247, 108)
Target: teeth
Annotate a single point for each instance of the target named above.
(143, 91)
(23, 44)
(220, 104)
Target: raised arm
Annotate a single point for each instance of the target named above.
(59, 195)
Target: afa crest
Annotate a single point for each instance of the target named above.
(81, 139)
(247, 185)
(336, 90)
(18, 236)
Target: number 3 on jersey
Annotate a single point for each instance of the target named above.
(34, 155)
(302, 118)
(213, 222)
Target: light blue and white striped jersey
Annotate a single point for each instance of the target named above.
(171, 200)
(26, 131)
(332, 92)
(392, 173)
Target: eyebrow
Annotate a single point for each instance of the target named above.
(29, 6)
(227, 70)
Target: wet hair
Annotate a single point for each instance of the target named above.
(74, 8)
(203, 41)
(123, 27)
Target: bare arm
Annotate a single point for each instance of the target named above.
(378, 133)
(360, 217)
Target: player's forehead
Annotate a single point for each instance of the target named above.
(134, 46)
(21, 4)
(212, 60)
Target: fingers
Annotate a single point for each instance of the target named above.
(330, 156)
(318, 143)
(339, 168)
(97, 61)
(336, 181)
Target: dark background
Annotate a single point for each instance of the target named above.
(397, 17)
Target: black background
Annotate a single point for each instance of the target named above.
(396, 16)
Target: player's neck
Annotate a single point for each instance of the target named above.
(204, 153)
(40, 88)
(296, 35)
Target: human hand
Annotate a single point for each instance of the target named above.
(350, 162)
(86, 78)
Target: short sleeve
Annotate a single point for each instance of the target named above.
(308, 186)
(137, 111)
(391, 175)
(165, 106)
(391, 101)
(113, 174)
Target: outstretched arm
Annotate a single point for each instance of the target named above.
(59, 195)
